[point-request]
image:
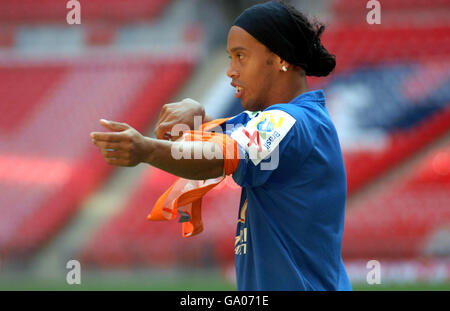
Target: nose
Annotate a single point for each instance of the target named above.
(232, 73)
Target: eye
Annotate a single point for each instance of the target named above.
(240, 56)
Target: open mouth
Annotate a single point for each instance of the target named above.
(239, 92)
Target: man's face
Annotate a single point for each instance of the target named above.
(252, 69)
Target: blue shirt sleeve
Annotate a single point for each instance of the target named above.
(250, 175)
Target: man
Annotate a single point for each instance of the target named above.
(290, 167)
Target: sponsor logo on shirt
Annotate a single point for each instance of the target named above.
(263, 133)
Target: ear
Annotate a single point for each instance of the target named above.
(282, 64)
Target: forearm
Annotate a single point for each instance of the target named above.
(193, 164)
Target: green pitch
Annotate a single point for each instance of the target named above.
(214, 283)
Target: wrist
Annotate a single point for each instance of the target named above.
(157, 151)
(149, 150)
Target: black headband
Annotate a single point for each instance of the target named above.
(272, 24)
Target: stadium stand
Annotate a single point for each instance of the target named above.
(398, 12)
(46, 172)
(7, 36)
(363, 166)
(398, 222)
(347, 6)
(29, 11)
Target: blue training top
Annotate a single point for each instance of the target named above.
(291, 215)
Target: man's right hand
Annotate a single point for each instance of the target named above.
(182, 112)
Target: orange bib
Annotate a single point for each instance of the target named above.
(185, 196)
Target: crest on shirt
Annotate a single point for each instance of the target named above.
(263, 133)
(243, 213)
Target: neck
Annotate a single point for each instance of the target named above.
(287, 89)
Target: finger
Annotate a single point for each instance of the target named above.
(114, 126)
(161, 130)
(162, 116)
(118, 154)
(108, 137)
(108, 145)
(162, 112)
(162, 119)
